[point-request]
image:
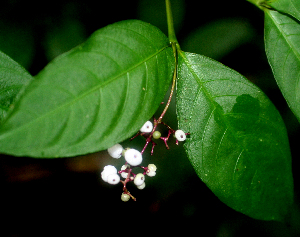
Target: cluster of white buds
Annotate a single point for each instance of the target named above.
(133, 158)
(109, 174)
(149, 131)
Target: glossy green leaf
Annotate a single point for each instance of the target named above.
(238, 143)
(291, 7)
(94, 96)
(13, 78)
(282, 42)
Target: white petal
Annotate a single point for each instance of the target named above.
(142, 186)
(113, 179)
(139, 179)
(180, 135)
(115, 151)
(147, 127)
(133, 157)
(151, 173)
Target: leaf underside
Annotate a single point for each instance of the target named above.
(238, 144)
(94, 96)
(282, 42)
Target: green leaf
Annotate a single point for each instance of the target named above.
(238, 143)
(282, 42)
(94, 96)
(291, 7)
(13, 78)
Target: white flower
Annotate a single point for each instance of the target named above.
(133, 157)
(152, 167)
(115, 151)
(151, 173)
(113, 179)
(142, 186)
(151, 170)
(124, 174)
(139, 179)
(108, 170)
(147, 127)
(180, 135)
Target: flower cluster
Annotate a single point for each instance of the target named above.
(149, 132)
(134, 158)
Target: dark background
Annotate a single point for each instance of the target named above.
(66, 196)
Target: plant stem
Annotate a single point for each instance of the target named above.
(175, 47)
(171, 31)
(172, 88)
(174, 44)
(262, 4)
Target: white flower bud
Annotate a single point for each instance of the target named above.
(180, 135)
(147, 127)
(142, 186)
(115, 151)
(109, 169)
(113, 179)
(151, 173)
(139, 179)
(133, 157)
(124, 174)
(152, 167)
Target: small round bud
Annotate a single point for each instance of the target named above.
(139, 179)
(115, 151)
(152, 167)
(156, 135)
(123, 152)
(142, 186)
(109, 169)
(113, 179)
(180, 135)
(125, 197)
(133, 157)
(151, 173)
(124, 174)
(147, 127)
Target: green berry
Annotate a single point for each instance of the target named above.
(156, 135)
(125, 197)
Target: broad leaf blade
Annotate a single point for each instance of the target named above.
(282, 42)
(13, 78)
(238, 144)
(94, 96)
(291, 7)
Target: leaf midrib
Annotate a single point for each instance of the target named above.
(294, 51)
(284, 35)
(215, 108)
(88, 92)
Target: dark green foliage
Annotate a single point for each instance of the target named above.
(92, 97)
(238, 144)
